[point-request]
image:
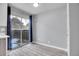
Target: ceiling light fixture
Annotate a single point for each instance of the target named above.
(35, 4)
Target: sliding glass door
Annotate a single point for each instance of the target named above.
(20, 31)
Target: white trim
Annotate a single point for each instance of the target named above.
(68, 30)
(51, 46)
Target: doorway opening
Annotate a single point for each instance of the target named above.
(20, 28)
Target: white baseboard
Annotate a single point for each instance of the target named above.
(51, 46)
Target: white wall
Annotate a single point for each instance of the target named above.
(3, 14)
(74, 29)
(50, 28)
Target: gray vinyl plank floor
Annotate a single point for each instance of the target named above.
(36, 50)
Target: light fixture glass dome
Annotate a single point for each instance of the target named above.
(35, 4)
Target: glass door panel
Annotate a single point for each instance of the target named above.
(16, 32)
(25, 31)
(20, 31)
